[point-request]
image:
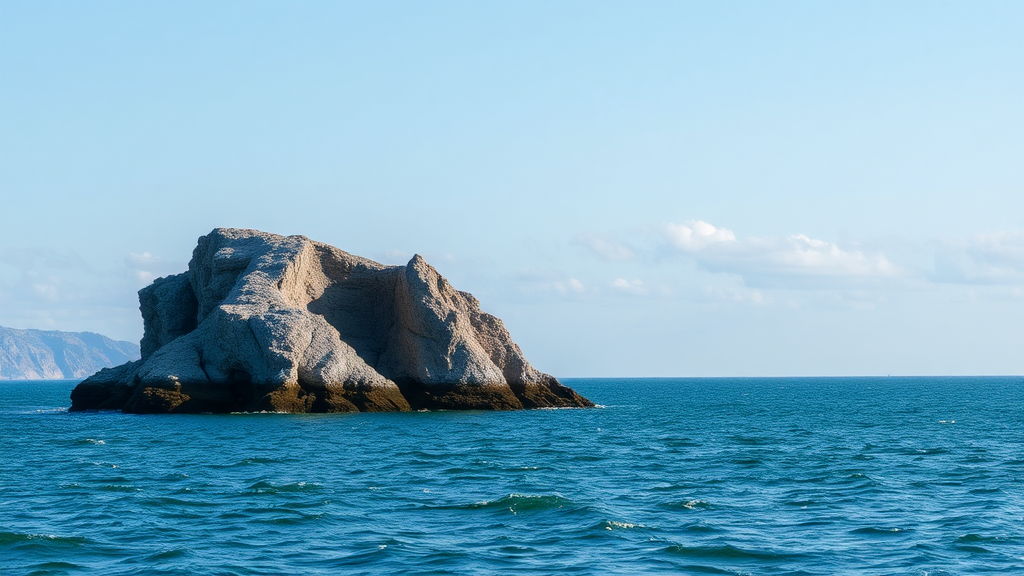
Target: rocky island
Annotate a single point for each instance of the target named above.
(262, 322)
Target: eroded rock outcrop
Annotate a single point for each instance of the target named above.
(267, 322)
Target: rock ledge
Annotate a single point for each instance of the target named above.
(267, 322)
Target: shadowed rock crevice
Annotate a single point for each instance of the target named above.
(276, 323)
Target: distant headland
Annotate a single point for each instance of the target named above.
(283, 323)
(56, 355)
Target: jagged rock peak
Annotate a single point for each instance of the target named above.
(283, 323)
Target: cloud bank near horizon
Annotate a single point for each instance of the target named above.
(692, 260)
(798, 261)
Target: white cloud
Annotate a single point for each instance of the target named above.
(144, 259)
(984, 259)
(795, 256)
(45, 288)
(36, 258)
(551, 282)
(736, 294)
(693, 235)
(790, 260)
(46, 291)
(145, 267)
(631, 287)
(570, 286)
(606, 249)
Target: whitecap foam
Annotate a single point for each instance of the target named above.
(616, 525)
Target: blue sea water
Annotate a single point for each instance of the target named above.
(692, 476)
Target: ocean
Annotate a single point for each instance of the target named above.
(808, 476)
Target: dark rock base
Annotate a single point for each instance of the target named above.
(185, 398)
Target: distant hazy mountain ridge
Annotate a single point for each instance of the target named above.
(49, 354)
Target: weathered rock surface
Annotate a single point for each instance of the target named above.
(267, 322)
(55, 355)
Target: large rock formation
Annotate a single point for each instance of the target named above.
(267, 322)
(54, 355)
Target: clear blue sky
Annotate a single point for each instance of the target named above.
(637, 188)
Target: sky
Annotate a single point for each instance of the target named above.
(637, 188)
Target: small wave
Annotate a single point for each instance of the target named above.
(18, 538)
(973, 549)
(747, 462)
(873, 531)
(615, 525)
(516, 503)
(665, 487)
(694, 504)
(517, 550)
(978, 538)
(525, 502)
(750, 440)
(588, 458)
(89, 441)
(168, 555)
(264, 487)
(169, 501)
(257, 460)
(458, 470)
(425, 456)
(104, 464)
(119, 488)
(291, 520)
(250, 462)
(280, 516)
(860, 478)
(986, 490)
(727, 551)
(61, 566)
(681, 442)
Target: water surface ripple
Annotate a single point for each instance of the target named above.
(694, 476)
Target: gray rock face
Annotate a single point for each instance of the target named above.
(54, 355)
(267, 322)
